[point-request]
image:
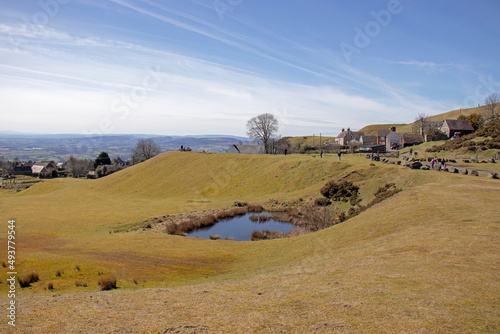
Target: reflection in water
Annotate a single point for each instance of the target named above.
(240, 228)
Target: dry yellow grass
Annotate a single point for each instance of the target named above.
(424, 261)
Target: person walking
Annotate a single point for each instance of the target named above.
(321, 153)
(339, 155)
(432, 163)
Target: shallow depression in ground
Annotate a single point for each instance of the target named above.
(239, 228)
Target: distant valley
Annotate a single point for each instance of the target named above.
(60, 147)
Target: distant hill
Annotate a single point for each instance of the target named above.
(371, 130)
(60, 146)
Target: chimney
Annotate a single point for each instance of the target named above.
(393, 128)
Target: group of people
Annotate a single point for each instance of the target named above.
(443, 163)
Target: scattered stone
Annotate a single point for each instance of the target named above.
(494, 175)
(474, 173)
(425, 168)
(465, 161)
(398, 163)
(454, 170)
(372, 164)
(445, 169)
(464, 171)
(415, 165)
(492, 161)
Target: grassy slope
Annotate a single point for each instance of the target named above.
(426, 259)
(311, 141)
(408, 128)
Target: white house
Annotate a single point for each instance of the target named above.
(392, 139)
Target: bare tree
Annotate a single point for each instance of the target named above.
(354, 145)
(79, 167)
(263, 128)
(492, 103)
(421, 123)
(145, 149)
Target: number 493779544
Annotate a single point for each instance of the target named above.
(11, 246)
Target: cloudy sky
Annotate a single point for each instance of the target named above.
(182, 67)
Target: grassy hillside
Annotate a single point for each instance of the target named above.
(425, 260)
(408, 128)
(311, 141)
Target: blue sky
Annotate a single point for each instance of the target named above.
(184, 67)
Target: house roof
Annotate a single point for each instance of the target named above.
(459, 124)
(355, 134)
(38, 167)
(369, 138)
(26, 168)
(343, 134)
(43, 163)
(250, 149)
(383, 133)
(413, 138)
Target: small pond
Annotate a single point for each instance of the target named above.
(240, 228)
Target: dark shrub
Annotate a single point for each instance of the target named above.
(26, 281)
(322, 201)
(107, 283)
(339, 191)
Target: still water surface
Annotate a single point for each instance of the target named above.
(240, 228)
